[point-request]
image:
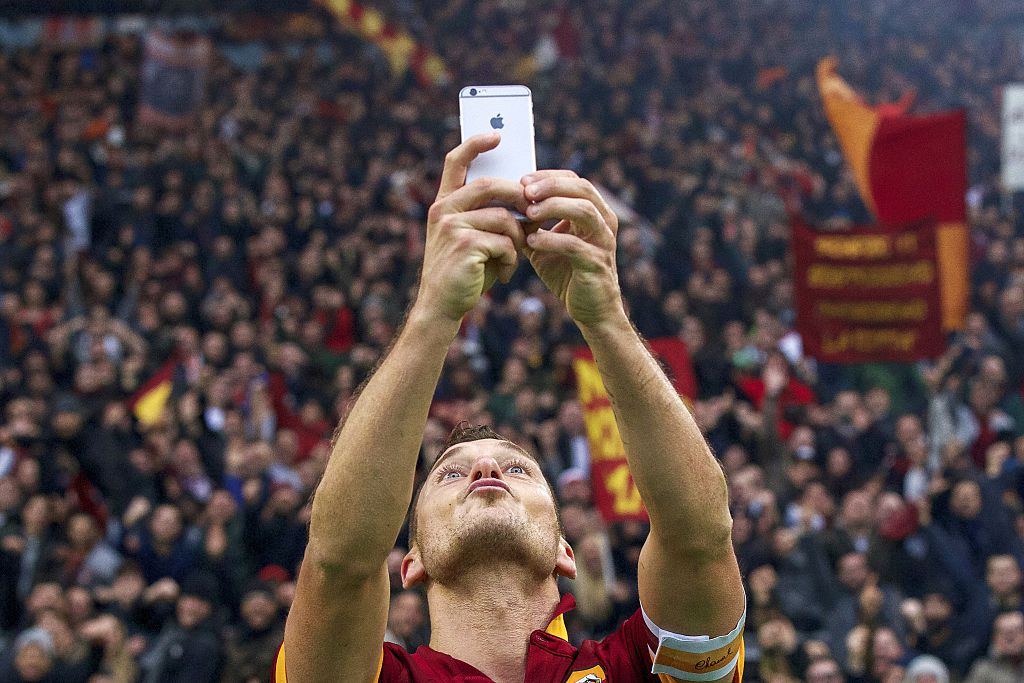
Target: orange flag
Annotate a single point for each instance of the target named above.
(908, 168)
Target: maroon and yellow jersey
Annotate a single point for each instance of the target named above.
(625, 656)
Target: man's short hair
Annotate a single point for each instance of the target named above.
(464, 432)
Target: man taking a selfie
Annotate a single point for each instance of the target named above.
(484, 532)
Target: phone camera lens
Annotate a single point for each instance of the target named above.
(472, 91)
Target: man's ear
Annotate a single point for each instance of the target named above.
(565, 565)
(412, 569)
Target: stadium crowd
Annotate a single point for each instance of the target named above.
(266, 255)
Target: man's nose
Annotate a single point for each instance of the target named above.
(485, 468)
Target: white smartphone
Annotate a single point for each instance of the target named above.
(507, 109)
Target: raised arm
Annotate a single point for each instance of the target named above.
(689, 580)
(336, 624)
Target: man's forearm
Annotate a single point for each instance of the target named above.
(363, 497)
(679, 479)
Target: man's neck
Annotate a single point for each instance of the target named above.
(486, 620)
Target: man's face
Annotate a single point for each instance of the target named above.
(406, 614)
(1003, 576)
(191, 610)
(908, 428)
(965, 501)
(853, 571)
(1008, 636)
(33, 662)
(82, 531)
(483, 500)
(824, 671)
(165, 524)
(937, 610)
(887, 646)
(259, 610)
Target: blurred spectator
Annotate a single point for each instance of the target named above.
(950, 628)
(1005, 661)
(33, 658)
(926, 669)
(90, 560)
(1004, 581)
(780, 656)
(187, 648)
(407, 620)
(824, 670)
(35, 545)
(163, 546)
(860, 600)
(251, 649)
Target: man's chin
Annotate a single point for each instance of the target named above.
(490, 522)
(488, 534)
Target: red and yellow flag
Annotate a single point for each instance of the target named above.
(908, 168)
(402, 49)
(149, 401)
(615, 494)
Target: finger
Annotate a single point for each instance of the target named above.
(547, 173)
(498, 247)
(457, 161)
(533, 226)
(481, 192)
(581, 213)
(581, 254)
(493, 220)
(570, 186)
(505, 272)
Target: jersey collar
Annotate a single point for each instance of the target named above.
(556, 626)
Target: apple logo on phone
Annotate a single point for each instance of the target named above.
(496, 122)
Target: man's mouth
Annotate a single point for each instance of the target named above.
(488, 483)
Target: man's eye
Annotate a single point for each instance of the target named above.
(517, 469)
(452, 474)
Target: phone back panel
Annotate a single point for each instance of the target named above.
(507, 109)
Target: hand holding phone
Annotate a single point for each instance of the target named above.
(507, 110)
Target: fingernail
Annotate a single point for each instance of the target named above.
(532, 209)
(532, 238)
(533, 189)
(528, 178)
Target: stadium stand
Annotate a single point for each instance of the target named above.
(186, 316)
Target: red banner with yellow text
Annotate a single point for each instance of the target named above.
(869, 294)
